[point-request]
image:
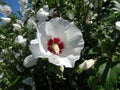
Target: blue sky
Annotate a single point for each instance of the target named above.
(14, 5)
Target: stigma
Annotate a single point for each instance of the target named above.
(55, 46)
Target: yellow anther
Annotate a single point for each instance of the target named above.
(56, 48)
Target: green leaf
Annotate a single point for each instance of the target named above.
(109, 75)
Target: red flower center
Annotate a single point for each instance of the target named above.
(55, 46)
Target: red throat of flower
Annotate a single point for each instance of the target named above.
(55, 46)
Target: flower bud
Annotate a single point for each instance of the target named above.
(87, 64)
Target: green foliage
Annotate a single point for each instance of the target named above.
(102, 42)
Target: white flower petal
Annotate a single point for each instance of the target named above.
(42, 15)
(74, 43)
(2, 36)
(7, 10)
(46, 8)
(17, 55)
(1, 75)
(30, 61)
(23, 3)
(59, 26)
(31, 23)
(87, 64)
(52, 59)
(23, 10)
(62, 61)
(16, 26)
(70, 51)
(21, 40)
(74, 36)
(83, 66)
(48, 29)
(36, 48)
(6, 20)
(117, 24)
(5, 51)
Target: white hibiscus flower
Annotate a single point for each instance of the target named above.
(21, 40)
(58, 40)
(23, 3)
(7, 10)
